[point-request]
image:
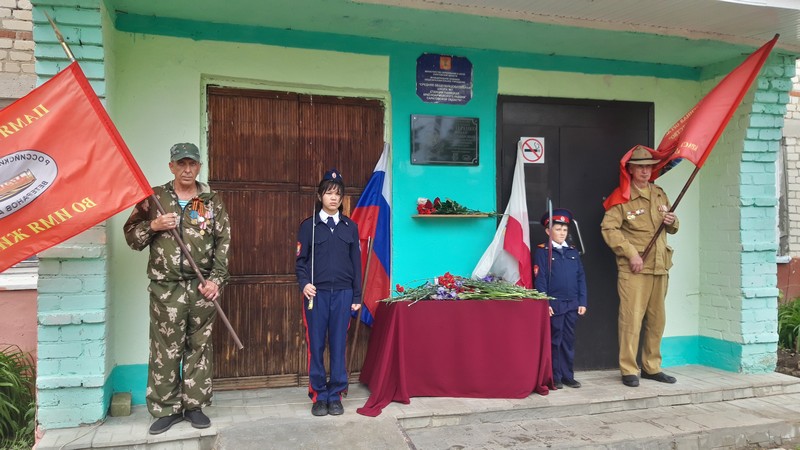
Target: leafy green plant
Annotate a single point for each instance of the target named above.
(789, 325)
(17, 398)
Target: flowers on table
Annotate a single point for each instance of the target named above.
(454, 287)
(426, 207)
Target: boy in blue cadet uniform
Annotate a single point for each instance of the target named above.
(563, 279)
(328, 268)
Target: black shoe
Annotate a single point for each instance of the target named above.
(661, 377)
(630, 380)
(163, 424)
(558, 385)
(320, 408)
(335, 408)
(197, 418)
(572, 383)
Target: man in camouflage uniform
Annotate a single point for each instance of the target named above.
(181, 310)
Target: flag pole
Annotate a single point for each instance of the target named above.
(60, 38)
(200, 276)
(361, 311)
(674, 205)
(153, 197)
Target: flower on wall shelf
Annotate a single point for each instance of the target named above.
(450, 207)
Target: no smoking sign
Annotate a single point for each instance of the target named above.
(532, 149)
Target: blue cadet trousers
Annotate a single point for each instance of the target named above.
(330, 318)
(562, 336)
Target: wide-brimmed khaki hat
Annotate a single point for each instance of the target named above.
(642, 157)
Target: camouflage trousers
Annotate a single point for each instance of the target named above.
(180, 365)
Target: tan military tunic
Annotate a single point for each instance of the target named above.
(627, 229)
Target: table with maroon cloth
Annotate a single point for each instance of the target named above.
(466, 348)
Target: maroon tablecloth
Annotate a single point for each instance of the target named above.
(468, 348)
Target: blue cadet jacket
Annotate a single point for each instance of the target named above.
(567, 281)
(337, 256)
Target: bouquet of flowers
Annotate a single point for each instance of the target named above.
(454, 287)
(425, 207)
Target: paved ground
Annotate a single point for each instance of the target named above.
(707, 408)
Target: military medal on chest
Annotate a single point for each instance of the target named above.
(199, 215)
(632, 214)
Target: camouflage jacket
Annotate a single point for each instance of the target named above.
(204, 227)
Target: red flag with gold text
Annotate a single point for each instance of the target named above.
(695, 134)
(63, 167)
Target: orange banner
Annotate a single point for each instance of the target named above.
(63, 167)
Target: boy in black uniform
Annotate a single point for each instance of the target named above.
(328, 268)
(563, 279)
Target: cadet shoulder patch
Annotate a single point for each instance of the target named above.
(299, 247)
(535, 270)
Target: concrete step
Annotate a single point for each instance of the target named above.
(602, 392)
(729, 409)
(757, 422)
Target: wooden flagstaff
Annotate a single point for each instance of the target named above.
(674, 205)
(360, 311)
(200, 276)
(161, 210)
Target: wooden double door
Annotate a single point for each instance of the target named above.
(267, 152)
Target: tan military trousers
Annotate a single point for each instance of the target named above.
(641, 296)
(180, 366)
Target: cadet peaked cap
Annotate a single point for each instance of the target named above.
(642, 157)
(560, 215)
(333, 175)
(184, 150)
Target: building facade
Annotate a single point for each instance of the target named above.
(187, 77)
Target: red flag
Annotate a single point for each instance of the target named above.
(695, 134)
(509, 254)
(63, 167)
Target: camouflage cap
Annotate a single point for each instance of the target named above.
(184, 150)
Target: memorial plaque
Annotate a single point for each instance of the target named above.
(444, 140)
(444, 79)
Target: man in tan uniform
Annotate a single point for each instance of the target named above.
(642, 284)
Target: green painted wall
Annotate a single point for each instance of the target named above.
(158, 101)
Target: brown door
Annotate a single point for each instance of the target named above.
(267, 152)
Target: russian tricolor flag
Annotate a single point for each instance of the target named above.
(373, 216)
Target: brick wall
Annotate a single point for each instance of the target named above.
(791, 147)
(17, 74)
(789, 273)
(73, 304)
(740, 197)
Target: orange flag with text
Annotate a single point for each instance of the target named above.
(63, 167)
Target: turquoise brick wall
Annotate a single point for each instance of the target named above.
(738, 310)
(73, 304)
(758, 218)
